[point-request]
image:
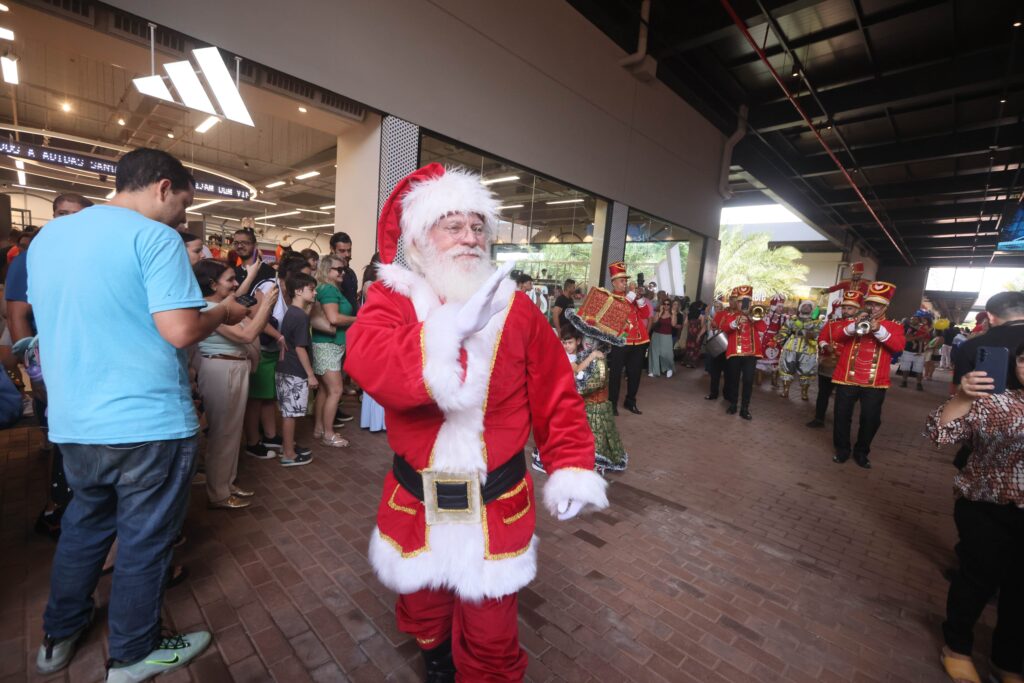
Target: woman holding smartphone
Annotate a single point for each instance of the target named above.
(224, 382)
(989, 516)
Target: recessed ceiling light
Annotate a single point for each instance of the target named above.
(1002, 101)
(170, 135)
(120, 122)
(564, 201)
(4, 8)
(302, 110)
(6, 33)
(796, 74)
(307, 174)
(329, 206)
(276, 183)
(10, 69)
(65, 107)
(1016, 24)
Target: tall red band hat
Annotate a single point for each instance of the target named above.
(852, 297)
(617, 269)
(742, 292)
(425, 196)
(857, 267)
(880, 292)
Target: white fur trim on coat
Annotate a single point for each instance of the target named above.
(457, 191)
(576, 484)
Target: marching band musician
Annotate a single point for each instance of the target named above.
(830, 346)
(862, 373)
(630, 356)
(745, 336)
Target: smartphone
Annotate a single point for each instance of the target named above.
(995, 362)
(745, 304)
(246, 300)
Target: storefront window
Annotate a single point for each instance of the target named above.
(546, 226)
(659, 250)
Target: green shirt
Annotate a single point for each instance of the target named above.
(329, 294)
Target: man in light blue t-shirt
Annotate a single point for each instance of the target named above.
(113, 324)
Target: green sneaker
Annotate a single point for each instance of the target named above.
(172, 652)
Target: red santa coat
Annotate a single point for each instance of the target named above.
(864, 360)
(467, 409)
(744, 340)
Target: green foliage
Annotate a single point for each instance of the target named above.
(747, 260)
(644, 257)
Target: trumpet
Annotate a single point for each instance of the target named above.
(863, 324)
(757, 313)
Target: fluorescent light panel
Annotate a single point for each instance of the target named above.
(276, 183)
(19, 164)
(222, 84)
(10, 69)
(327, 213)
(188, 86)
(153, 86)
(313, 227)
(37, 189)
(22, 178)
(329, 206)
(564, 201)
(263, 201)
(503, 179)
(6, 33)
(307, 174)
(510, 206)
(196, 207)
(225, 218)
(282, 215)
(207, 124)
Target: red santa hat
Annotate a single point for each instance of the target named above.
(425, 196)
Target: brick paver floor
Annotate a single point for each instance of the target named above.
(732, 551)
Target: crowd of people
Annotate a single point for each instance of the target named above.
(466, 362)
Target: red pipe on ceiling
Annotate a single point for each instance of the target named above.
(796, 105)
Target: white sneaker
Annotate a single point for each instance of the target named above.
(650, 374)
(172, 652)
(668, 374)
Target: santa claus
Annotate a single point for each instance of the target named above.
(464, 366)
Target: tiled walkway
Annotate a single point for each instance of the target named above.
(732, 551)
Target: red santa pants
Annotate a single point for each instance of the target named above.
(485, 635)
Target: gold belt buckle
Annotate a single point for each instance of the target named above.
(436, 515)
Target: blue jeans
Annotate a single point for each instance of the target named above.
(138, 493)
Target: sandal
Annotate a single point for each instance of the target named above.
(318, 434)
(334, 441)
(958, 668)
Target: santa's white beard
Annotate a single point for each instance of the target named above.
(452, 278)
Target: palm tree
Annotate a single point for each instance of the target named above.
(747, 260)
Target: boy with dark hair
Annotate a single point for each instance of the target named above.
(294, 377)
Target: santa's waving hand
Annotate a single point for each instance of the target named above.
(465, 367)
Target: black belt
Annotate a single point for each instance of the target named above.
(455, 496)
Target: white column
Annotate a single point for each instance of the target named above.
(356, 190)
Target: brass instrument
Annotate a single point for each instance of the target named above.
(863, 324)
(757, 313)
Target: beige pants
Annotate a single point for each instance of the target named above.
(223, 384)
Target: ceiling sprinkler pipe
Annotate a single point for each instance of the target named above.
(796, 105)
(641, 40)
(730, 145)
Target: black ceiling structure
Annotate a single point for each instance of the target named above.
(920, 101)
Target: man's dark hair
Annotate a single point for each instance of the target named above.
(187, 237)
(142, 167)
(340, 238)
(291, 263)
(568, 282)
(1006, 305)
(248, 232)
(71, 198)
(309, 253)
(523, 278)
(297, 282)
(208, 271)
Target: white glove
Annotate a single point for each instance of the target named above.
(567, 509)
(641, 301)
(630, 297)
(481, 307)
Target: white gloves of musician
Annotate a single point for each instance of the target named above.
(567, 509)
(481, 307)
(630, 297)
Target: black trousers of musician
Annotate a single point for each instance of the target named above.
(740, 368)
(991, 552)
(847, 396)
(825, 388)
(716, 368)
(630, 358)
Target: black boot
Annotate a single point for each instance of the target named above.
(731, 410)
(440, 667)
